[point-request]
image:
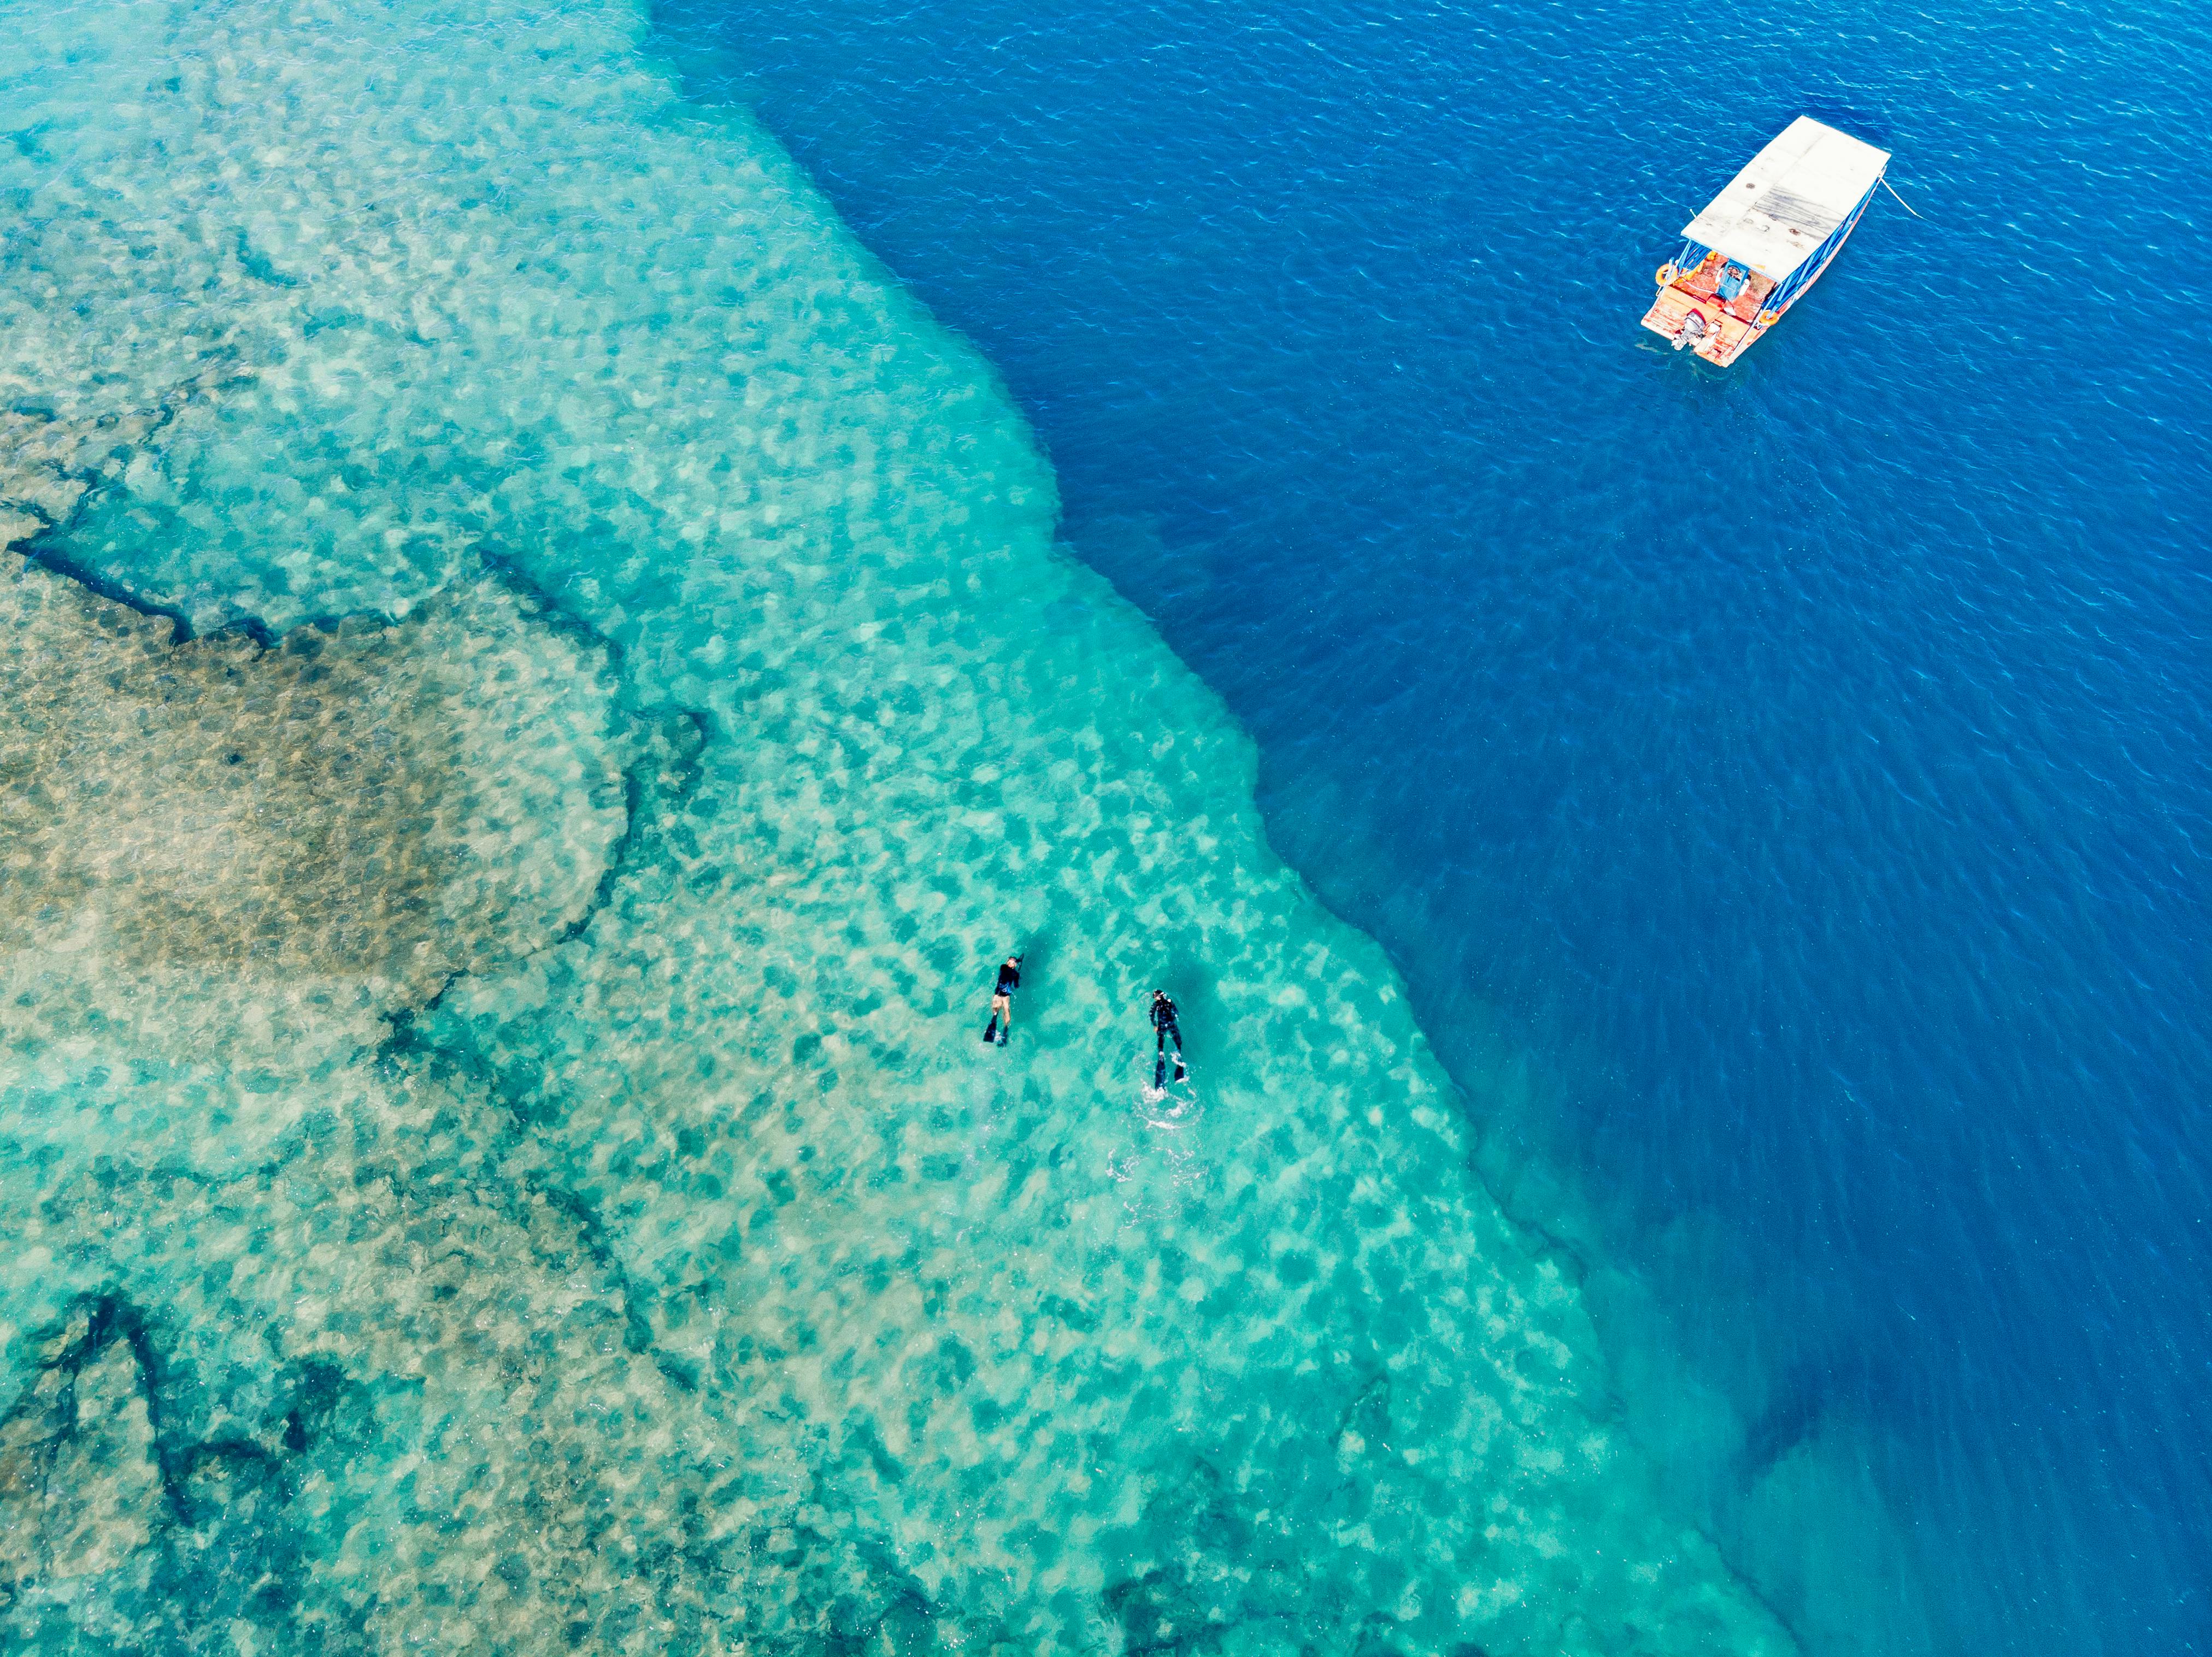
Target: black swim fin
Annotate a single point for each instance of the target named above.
(991, 1031)
(1180, 1071)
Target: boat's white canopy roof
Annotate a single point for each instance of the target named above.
(1780, 208)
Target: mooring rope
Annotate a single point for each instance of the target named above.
(1901, 201)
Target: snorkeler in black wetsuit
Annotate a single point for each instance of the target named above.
(1164, 1026)
(1002, 1001)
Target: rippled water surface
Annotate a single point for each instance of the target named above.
(1786, 790)
(539, 686)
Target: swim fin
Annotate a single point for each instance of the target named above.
(991, 1031)
(1160, 1071)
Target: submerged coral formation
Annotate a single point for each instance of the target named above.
(368, 800)
(680, 1272)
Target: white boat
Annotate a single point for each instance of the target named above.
(1764, 239)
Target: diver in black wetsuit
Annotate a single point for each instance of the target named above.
(1164, 1026)
(1002, 1001)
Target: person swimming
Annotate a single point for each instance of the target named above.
(1002, 1001)
(1164, 1027)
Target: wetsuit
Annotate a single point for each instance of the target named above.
(1010, 979)
(1164, 1026)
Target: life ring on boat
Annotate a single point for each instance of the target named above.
(1768, 319)
(1665, 275)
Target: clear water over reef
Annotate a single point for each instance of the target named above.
(540, 688)
(1787, 790)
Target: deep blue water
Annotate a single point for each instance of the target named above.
(1785, 788)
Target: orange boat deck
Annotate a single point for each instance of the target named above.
(1728, 326)
(1704, 283)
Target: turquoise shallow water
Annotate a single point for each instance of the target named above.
(544, 684)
